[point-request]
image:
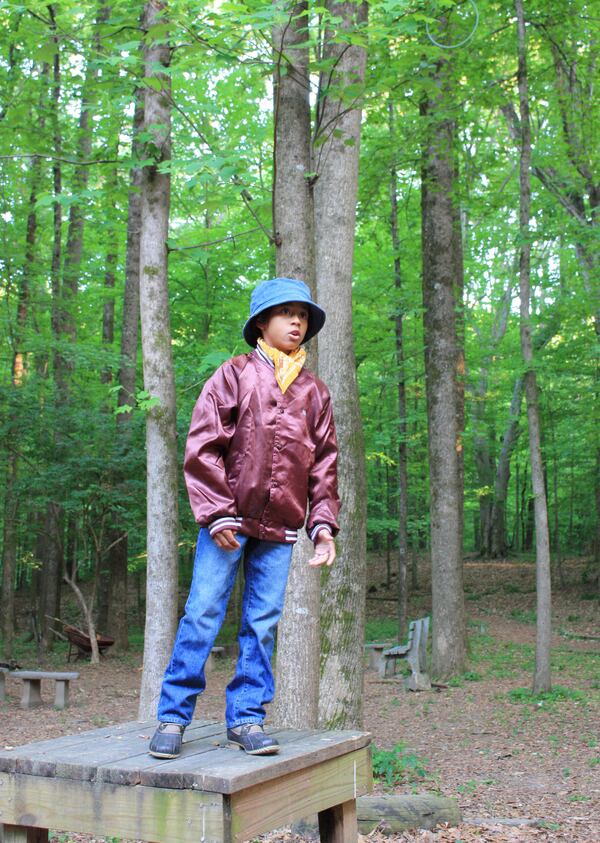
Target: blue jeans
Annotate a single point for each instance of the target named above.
(266, 566)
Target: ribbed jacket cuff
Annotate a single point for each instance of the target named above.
(228, 522)
(317, 529)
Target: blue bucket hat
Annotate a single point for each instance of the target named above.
(279, 291)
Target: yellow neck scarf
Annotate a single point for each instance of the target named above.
(287, 366)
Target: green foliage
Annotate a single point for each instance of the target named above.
(221, 216)
(467, 676)
(524, 615)
(397, 767)
(545, 698)
(381, 629)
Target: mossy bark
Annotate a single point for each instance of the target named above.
(118, 550)
(159, 381)
(335, 191)
(296, 702)
(442, 288)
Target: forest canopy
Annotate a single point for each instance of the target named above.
(72, 450)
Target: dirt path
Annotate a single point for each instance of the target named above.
(484, 740)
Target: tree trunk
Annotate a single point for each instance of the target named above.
(296, 704)
(50, 544)
(542, 678)
(484, 458)
(343, 595)
(509, 441)
(117, 535)
(9, 538)
(159, 381)
(108, 335)
(402, 427)
(442, 357)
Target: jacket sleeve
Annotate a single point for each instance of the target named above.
(323, 500)
(211, 430)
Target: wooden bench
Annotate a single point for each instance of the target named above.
(104, 783)
(32, 687)
(415, 653)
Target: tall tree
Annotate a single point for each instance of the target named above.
(49, 543)
(441, 243)
(9, 538)
(483, 439)
(159, 381)
(542, 677)
(337, 142)
(118, 538)
(293, 224)
(402, 425)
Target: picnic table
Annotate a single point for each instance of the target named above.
(103, 782)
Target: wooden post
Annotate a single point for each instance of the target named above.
(338, 824)
(22, 834)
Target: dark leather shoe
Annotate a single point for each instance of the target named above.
(166, 744)
(253, 740)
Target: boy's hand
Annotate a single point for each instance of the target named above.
(226, 540)
(324, 550)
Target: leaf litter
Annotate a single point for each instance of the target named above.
(483, 740)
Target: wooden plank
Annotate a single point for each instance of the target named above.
(150, 771)
(280, 801)
(129, 755)
(338, 824)
(22, 834)
(404, 811)
(228, 770)
(399, 812)
(195, 769)
(206, 751)
(138, 813)
(80, 754)
(31, 750)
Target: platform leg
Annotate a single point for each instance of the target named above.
(2, 685)
(338, 824)
(32, 693)
(61, 694)
(22, 834)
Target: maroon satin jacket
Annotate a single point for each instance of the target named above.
(254, 456)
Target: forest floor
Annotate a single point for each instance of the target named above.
(485, 740)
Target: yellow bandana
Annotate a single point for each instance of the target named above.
(287, 366)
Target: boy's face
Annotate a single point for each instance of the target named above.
(285, 325)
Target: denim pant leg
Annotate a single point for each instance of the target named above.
(266, 566)
(214, 575)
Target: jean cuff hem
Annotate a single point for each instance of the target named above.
(245, 721)
(179, 722)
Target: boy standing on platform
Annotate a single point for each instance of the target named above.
(261, 445)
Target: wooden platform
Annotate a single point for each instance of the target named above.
(103, 782)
